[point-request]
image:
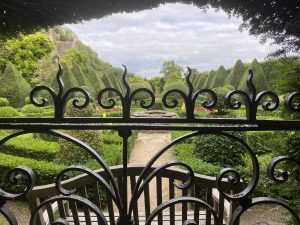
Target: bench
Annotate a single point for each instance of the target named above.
(160, 189)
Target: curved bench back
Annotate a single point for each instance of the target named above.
(159, 190)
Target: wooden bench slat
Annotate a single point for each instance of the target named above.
(74, 210)
(197, 208)
(159, 197)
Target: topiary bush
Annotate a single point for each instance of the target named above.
(3, 102)
(219, 150)
(28, 109)
(8, 111)
(69, 153)
(15, 88)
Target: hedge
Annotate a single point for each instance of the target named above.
(8, 111)
(4, 102)
(26, 146)
(220, 150)
(31, 109)
(45, 172)
(185, 153)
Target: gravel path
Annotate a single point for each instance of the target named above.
(146, 145)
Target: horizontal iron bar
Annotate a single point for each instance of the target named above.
(194, 127)
(149, 120)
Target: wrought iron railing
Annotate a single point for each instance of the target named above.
(125, 124)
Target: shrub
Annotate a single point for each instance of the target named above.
(69, 153)
(45, 172)
(177, 85)
(45, 137)
(140, 95)
(221, 105)
(8, 111)
(15, 88)
(185, 153)
(3, 102)
(27, 146)
(219, 150)
(264, 142)
(31, 109)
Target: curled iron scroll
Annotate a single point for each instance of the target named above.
(282, 176)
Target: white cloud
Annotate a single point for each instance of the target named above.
(184, 33)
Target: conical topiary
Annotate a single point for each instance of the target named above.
(259, 79)
(236, 74)
(209, 79)
(14, 87)
(219, 78)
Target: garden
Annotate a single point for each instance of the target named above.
(47, 155)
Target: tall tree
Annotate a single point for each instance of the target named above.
(171, 68)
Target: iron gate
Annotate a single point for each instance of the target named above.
(125, 124)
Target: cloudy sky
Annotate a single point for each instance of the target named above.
(184, 33)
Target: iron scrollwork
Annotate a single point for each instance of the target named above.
(60, 98)
(119, 196)
(190, 98)
(125, 99)
(252, 100)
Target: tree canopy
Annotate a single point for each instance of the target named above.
(277, 20)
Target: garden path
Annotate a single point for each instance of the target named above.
(146, 145)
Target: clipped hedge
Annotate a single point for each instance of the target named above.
(26, 146)
(31, 109)
(4, 102)
(185, 153)
(8, 111)
(220, 150)
(45, 172)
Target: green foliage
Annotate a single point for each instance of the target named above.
(69, 153)
(158, 105)
(219, 150)
(14, 88)
(219, 78)
(265, 142)
(221, 105)
(185, 153)
(63, 34)
(259, 79)
(170, 68)
(27, 146)
(201, 81)
(27, 109)
(25, 51)
(178, 85)
(209, 80)
(8, 111)
(157, 84)
(68, 77)
(4, 102)
(45, 172)
(236, 74)
(141, 95)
